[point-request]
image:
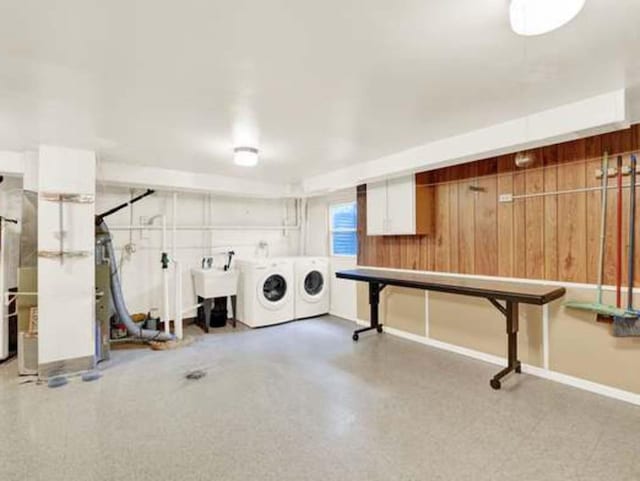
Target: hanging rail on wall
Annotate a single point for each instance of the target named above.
(510, 197)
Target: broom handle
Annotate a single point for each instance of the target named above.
(632, 232)
(603, 221)
(619, 234)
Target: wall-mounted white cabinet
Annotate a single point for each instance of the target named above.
(399, 207)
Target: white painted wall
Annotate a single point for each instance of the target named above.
(66, 292)
(141, 271)
(343, 293)
(12, 163)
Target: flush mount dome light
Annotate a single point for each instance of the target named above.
(245, 156)
(535, 17)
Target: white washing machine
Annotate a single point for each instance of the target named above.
(312, 286)
(265, 291)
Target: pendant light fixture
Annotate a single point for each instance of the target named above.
(536, 17)
(245, 156)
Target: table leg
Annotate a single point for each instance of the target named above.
(513, 364)
(375, 288)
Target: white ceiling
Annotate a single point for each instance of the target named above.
(319, 85)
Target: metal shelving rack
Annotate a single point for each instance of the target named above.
(65, 198)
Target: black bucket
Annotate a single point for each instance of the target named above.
(219, 313)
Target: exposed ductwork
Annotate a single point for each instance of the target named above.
(102, 233)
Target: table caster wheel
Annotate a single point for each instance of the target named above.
(355, 337)
(495, 384)
(379, 328)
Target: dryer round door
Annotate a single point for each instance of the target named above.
(312, 286)
(273, 290)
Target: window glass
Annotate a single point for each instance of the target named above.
(343, 227)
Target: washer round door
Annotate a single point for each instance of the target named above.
(313, 285)
(273, 290)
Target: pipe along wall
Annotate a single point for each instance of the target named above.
(138, 250)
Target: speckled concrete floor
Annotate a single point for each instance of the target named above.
(301, 401)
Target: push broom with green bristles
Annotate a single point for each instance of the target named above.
(599, 307)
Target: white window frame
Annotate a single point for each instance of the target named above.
(331, 230)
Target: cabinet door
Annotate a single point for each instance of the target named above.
(401, 199)
(376, 208)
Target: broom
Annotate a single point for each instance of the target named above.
(598, 307)
(623, 326)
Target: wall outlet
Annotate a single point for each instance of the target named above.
(505, 198)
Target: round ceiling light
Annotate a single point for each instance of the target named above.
(535, 17)
(245, 156)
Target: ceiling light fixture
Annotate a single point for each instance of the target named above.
(245, 156)
(535, 17)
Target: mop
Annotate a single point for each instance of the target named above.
(623, 326)
(598, 307)
(619, 234)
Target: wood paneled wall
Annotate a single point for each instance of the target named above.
(553, 237)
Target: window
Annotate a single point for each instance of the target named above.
(343, 229)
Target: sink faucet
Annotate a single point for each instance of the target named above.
(207, 262)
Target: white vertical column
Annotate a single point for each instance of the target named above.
(66, 289)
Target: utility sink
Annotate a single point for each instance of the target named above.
(215, 282)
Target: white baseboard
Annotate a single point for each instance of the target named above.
(344, 316)
(558, 377)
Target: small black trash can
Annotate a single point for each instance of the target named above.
(218, 315)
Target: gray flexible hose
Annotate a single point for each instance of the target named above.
(118, 298)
